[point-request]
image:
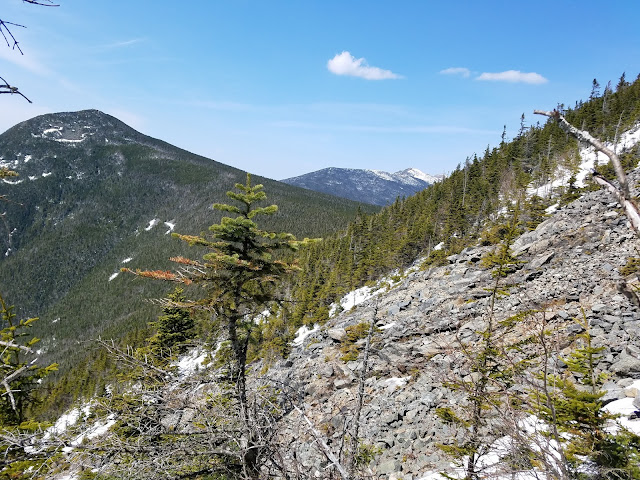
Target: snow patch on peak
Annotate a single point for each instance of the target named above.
(383, 175)
(420, 175)
(52, 130)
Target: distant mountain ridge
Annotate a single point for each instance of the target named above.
(364, 185)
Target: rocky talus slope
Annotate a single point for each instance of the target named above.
(571, 264)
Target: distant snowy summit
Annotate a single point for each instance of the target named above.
(368, 186)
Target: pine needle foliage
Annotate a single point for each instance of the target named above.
(20, 377)
(173, 329)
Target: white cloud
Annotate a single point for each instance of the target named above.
(513, 76)
(465, 72)
(346, 64)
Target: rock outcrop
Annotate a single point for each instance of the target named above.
(571, 264)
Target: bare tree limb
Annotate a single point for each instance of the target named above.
(622, 192)
(323, 445)
(360, 400)
(12, 42)
(5, 383)
(11, 90)
(15, 345)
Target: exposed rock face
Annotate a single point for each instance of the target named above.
(572, 263)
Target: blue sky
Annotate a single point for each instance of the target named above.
(282, 88)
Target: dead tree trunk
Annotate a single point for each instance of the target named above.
(621, 192)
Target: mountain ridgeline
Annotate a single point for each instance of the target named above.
(94, 195)
(367, 186)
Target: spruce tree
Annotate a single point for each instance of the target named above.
(572, 405)
(491, 374)
(238, 278)
(173, 329)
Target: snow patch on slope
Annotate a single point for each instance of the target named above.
(152, 223)
(191, 362)
(302, 334)
(590, 159)
(625, 408)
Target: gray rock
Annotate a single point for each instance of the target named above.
(575, 329)
(390, 466)
(626, 365)
(598, 307)
(341, 383)
(337, 334)
(541, 260)
(325, 370)
(393, 310)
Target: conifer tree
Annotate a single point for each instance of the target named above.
(173, 329)
(237, 276)
(571, 404)
(21, 376)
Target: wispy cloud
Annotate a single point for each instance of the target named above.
(513, 76)
(440, 129)
(462, 71)
(224, 106)
(28, 62)
(346, 64)
(122, 44)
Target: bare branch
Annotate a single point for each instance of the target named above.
(5, 383)
(11, 90)
(44, 3)
(622, 193)
(325, 448)
(12, 42)
(15, 345)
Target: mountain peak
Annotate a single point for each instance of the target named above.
(375, 187)
(76, 128)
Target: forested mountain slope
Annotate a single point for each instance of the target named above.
(484, 291)
(94, 195)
